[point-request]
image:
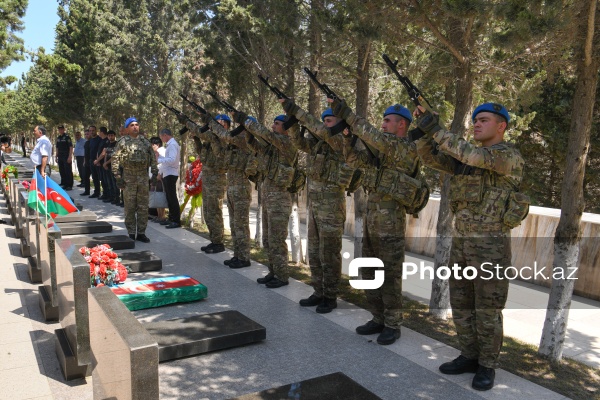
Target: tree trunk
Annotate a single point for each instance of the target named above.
(316, 47)
(567, 236)
(258, 237)
(362, 103)
(294, 231)
(439, 302)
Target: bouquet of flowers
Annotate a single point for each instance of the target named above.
(105, 266)
(10, 169)
(193, 179)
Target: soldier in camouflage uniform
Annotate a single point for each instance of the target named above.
(278, 201)
(242, 164)
(386, 210)
(485, 200)
(329, 176)
(135, 155)
(214, 181)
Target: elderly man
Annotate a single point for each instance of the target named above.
(170, 172)
(134, 153)
(42, 150)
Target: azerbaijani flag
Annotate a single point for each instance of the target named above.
(54, 202)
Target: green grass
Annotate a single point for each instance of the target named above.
(570, 378)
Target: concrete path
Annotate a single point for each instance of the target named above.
(300, 343)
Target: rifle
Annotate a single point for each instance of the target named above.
(274, 89)
(222, 103)
(198, 108)
(324, 88)
(232, 109)
(331, 95)
(413, 92)
(177, 113)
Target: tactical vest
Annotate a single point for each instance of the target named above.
(325, 167)
(244, 161)
(484, 192)
(404, 183)
(213, 157)
(135, 153)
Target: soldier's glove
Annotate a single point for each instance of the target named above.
(240, 117)
(415, 134)
(340, 108)
(182, 118)
(290, 107)
(154, 180)
(429, 123)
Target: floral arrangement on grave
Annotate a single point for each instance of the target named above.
(10, 169)
(193, 187)
(105, 266)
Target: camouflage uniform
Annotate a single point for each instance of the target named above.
(242, 163)
(483, 179)
(214, 180)
(135, 156)
(386, 213)
(277, 199)
(328, 177)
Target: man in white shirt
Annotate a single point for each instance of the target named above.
(42, 150)
(170, 171)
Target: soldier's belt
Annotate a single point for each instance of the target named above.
(325, 196)
(464, 226)
(383, 205)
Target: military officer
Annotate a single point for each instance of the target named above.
(135, 155)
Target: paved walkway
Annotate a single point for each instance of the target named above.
(300, 343)
(525, 309)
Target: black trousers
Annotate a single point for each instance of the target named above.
(65, 169)
(170, 188)
(80, 167)
(95, 177)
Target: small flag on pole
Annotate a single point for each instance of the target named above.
(54, 202)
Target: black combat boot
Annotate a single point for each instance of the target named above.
(203, 248)
(484, 378)
(312, 301)
(239, 263)
(227, 262)
(388, 336)
(370, 328)
(267, 278)
(216, 248)
(459, 365)
(327, 305)
(276, 283)
(142, 238)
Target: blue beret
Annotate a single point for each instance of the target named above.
(327, 113)
(398, 110)
(130, 120)
(251, 118)
(223, 117)
(494, 108)
(281, 118)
